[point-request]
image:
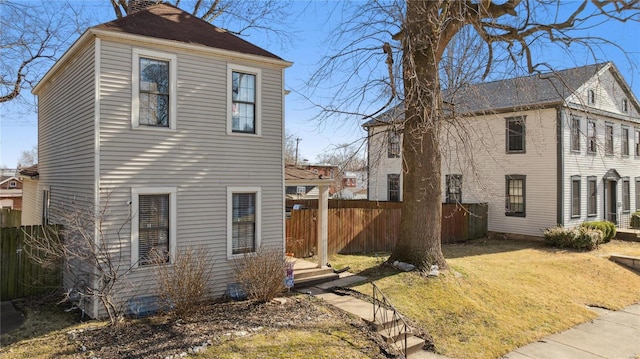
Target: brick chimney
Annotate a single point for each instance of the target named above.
(138, 5)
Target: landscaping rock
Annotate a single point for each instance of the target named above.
(405, 267)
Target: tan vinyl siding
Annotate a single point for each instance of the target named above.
(199, 157)
(31, 203)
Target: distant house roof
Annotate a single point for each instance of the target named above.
(4, 179)
(294, 176)
(31, 171)
(168, 22)
(519, 93)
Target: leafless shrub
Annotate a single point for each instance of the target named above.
(261, 274)
(183, 285)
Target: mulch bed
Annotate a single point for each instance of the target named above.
(166, 337)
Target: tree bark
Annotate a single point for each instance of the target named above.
(420, 226)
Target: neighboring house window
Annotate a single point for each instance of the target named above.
(591, 97)
(153, 230)
(154, 89)
(454, 188)
(637, 138)
(625, 141)
(393, 186)
(575, 196)
(591, 137)
(608, 140)
(244, 100)
(637, 193)
(592, 196)
(575, 134)
(625, 105)
(244, 224)
(515, 134)
(13, 184)
(626, 195)
(46, 206)
(393, 141)
(516, 195)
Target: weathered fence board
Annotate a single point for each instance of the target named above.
(10, 217)
(20, 276)
(367, 230)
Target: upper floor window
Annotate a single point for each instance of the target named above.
(244, 224)
(244, 100)
(591, 97)
(624, 143)
(153, 232)
(637, 139)
(591, 137)
(608, 139)
(516, 195)
(575, 134)
(454, 189)
(625, 105)
(515, 134)
(393, 187)
(13, 184)
(637, 193)
(393, 144)
(154, 90)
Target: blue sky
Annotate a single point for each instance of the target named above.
(18, 126)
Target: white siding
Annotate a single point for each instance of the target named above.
(380, 165)
(199, 157)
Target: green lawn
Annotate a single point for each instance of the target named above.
(500, 295)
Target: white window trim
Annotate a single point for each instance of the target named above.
(135, 87)
(258, 215)
(135, 205)
(258, 119)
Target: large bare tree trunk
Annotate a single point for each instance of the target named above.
(420, 225)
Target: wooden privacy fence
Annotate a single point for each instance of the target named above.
(20, 276)
(10, 217)
(367, 230)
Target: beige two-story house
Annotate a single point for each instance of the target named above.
(557, 148)
(171, 127)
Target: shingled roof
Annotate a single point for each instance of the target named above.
(519, 93)
(165, 21)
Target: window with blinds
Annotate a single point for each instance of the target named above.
(243, 226)
(153, 228)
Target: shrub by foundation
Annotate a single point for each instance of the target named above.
(635, 220)
(608, 229)
(261, 274)
(583, 238)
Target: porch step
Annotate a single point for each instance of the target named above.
(313, 280)
(628, 235)
(394, 333)
(299, 274)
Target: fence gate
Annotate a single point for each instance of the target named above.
(19, 275)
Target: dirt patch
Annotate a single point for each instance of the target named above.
(162, 336)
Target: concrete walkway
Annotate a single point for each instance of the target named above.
(612, 335)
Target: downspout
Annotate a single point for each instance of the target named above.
(559, 167)
(368, 163)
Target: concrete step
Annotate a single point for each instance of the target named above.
(313, 280)
(628, 235)
(310, 272)
(629, 261)
(414, 344)
(395, 333)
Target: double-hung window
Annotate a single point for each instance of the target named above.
(154, 89)
(46, 206)
(591, 137)
(153, 229)
(575, 134)
(624, 150)
(626, 195)
(637, 140)
(637, 193)
(515, 195)
(393, 144)
(454, 188)
(244, 220)
(592, 196)
(244, 100)
(393, 187)
(608, 139)
(575, 196)
(515, 135)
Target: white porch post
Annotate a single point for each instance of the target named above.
(323, 206)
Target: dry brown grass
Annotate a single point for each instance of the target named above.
(500, 295)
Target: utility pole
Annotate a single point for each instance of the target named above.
(298, 139)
